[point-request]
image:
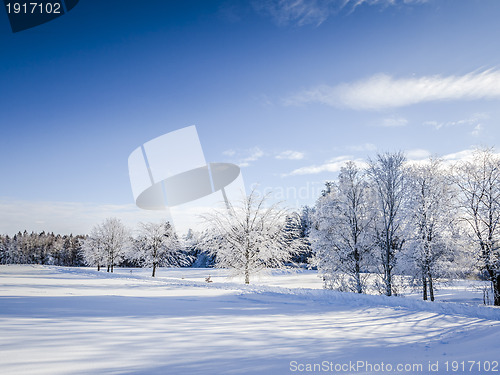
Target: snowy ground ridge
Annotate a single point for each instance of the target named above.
(313, 295)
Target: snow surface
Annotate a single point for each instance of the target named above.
(61, 320)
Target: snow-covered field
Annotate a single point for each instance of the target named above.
(57, 320)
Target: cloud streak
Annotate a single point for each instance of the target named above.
(332, 165)
(414, 157)
(393, 122)
(382, 91)
(475, 121)
(315, 12)
(290, 155)
(246, 157)
(417, 154)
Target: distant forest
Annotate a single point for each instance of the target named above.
(42, 248)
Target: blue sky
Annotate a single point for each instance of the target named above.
(287, 89)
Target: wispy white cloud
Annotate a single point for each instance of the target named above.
(422, 156)
(477, 130)
(298, 12)
(392, 122)
(244, 157)
(418, 154)
(255, 154)
(464, 155)
(475, 121)
(353, 4)
(414, 157)
(382, 91)
(315, 12)
(265, 100)
(332, 165)
(290, 155)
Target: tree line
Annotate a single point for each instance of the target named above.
(42, 248)
(409, 222)
(245, 237)
(156, 245)
(109, 244)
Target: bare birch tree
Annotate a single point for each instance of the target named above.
(93, 249)
(107, 243)
(431, 221)
(387, 177)
(479, 202)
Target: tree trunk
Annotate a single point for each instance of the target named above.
(108, 268)
(98, 267)
(388, 277)
(387, 268)
(359, 287)
(424, 287)
(496, 290)
(112, 266)
(247, 264)
(431, 288)
(495, 284)
(388, 284)
(154, 270)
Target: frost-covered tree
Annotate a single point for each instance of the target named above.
(22, 249)
(94, 253)
(248, 237)
(107, 244)
(296, 233)
(157, 245)
(478, 181)
(4, 249)
(387, 178)
(193, 245)
(116, 241)
(431, 233)
(57, 250)
(41, 246)
(340, 234)
(305, 222)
